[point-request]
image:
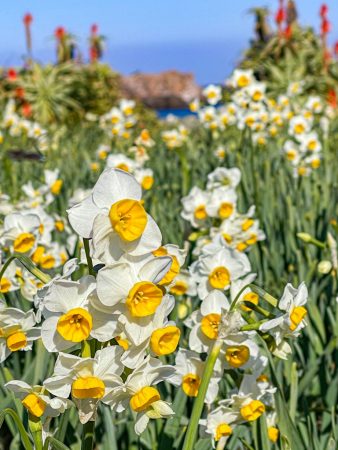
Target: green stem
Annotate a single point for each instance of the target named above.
(259, 291)
(190, 437)
(35, 427)
(89, 259)
(88, 435)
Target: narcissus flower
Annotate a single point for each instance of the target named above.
(17, 331)
(114, 216)
(37, 401)
(293, 312)
(213, 94)
(140, 394)
(70, 317)
(87, 380)
(194, 207)
(189, 372)
(218, 270)
(20, 232)
(220, 424)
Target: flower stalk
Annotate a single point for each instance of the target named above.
(190, 436)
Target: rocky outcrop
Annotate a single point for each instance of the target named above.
(170, 89)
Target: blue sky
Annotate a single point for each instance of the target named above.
(202, 36)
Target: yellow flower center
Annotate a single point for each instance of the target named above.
(88, 387)
(41, 228)
(312, 145)
(200, 212)
(299, 128)
(47, 262)
(247, 224)
(190, 384)
(75, 325)
(123, 166)
(227, 237)
(210, 324)
(315, 163)
(273, 434)
(143, 299)
(253, 410)
(237, 355)
(122, 342)
(34, 404)
(179, 288)
(262, 378)
(257, 96)
(16, 341)
(252, 240)
(56, 187)
(144, 398)
(243, 81)
(291, 155)
(37, 255)
(128, 219)
(219, 278)
(297, 315)
(223, 430)
(251, 297)
(164, 341)
(225, 210)
(24, 242)
(5, 285)
(59, 225)
(147, 182)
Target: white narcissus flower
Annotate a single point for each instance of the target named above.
(145, 177)
(122, 162)
(113, 215)
(87, 380)
(188, 375)
(291, 321)
(37, 401)
(224, 177)
(17, 331)
(299, 126)
(217, 270)
(139, 393)
(161, 336)
(132, 288)
(241, 78)
(213, 94)
(177, 256)
(194, 207)
(183, 284)
(21, 232)
(219, 424)
(71, 318)
(8, 282)
(222, 203)
(310, 143)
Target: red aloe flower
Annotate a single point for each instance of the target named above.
(332, 98)
(323, 10)
(288, 32)
(26, 110)
(280, 16)
(94, 29)
(59, 33)
(336, 48)
(27, 19)
(20, 92)
(325, 26)
(12, 74)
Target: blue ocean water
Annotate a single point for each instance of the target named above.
(163, 113)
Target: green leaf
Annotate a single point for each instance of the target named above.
(54, 444)
(23, 433)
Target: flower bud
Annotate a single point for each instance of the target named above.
(324, 267)
(306, 237)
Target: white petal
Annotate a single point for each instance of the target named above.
(82, 215)
(114, 185)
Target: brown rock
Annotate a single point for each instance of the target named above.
(170, 89)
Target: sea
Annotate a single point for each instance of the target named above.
(163, 113)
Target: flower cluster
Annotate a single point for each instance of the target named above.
(16, 127)
(306, 121)
(215, 214)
